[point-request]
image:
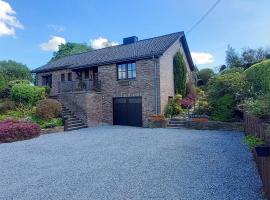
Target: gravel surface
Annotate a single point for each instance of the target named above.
(129, 163)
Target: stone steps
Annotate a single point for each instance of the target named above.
(177, 123)
(72, 122)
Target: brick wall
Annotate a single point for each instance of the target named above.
(166, 73)
(142, 86)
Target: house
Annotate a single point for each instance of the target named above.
(121, 85)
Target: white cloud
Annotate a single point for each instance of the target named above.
(53, 43)
(202, 58)
(101, 43)
(57, 28)
(8, 22)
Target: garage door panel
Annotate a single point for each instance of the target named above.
(127, 111)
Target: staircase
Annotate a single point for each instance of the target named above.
(71, 121)
(177, 123)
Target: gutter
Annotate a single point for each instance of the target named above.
(155, 85)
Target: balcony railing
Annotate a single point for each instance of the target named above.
(80, 85)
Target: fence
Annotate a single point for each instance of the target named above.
(254, 126)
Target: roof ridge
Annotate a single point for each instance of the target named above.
(116, 46)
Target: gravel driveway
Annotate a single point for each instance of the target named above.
(129, 163)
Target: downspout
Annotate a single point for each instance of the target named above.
(155, 85)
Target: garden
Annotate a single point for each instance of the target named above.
(25, 109)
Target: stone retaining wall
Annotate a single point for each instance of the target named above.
(213, 125)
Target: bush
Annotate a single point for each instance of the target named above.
(204, 75)
(223, 108)
(253, 142)
(27, 94)
(258, 76)
(18, 113)
(48, 109)
(12, 130)
(260, 107)
(44, 123)
(174, 108)
(7, 105)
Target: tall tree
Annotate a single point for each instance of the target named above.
(180, 74)
(232, 58)
(12, 70)
(70, 49)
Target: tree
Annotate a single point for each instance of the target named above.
(12, 70)
(232, 58)
(70, 49)
(205, 74)
(180, 74)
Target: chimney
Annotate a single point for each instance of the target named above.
(130, 40)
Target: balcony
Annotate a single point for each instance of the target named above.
(79, 86)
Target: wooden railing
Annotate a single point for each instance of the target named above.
(255, 126)
(80, 85)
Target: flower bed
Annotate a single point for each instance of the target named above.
(12, 130)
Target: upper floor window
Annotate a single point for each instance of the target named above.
(69, 76)
(62, 77)
(126, 71)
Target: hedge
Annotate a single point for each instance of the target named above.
(258, 76)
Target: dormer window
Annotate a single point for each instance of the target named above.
(126, 71)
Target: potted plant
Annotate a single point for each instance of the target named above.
(262, 149)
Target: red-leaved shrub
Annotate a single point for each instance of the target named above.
(189, 101)
(12, 130)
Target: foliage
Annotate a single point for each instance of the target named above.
(258, 76)
(174, 108)
(180, 74)
(27, 94)
(233, 70)
(47, 123)
(253, 141)
(19, 112)
(48, 109)
(247, 58)
(12, 70)
(260, 107)
(2, 82)
(70, 49)
(7, 105)
(232, 58)
(202, 105)
(229, 83)
(223, 108)
(5, 93)
(188, 101)
(12, 130)
(205, 74)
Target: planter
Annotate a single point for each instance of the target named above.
(158, 124)
(199, 118)
(262, 150)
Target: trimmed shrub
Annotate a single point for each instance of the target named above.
(48, 109)
(180, 74)
(7, 105)
(12, 130)
(27, 94)
(223, 108)
(258, 76)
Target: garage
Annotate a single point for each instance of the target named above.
(127, 111)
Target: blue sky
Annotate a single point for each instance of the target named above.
(27, 26)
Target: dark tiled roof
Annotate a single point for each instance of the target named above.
(139, 50)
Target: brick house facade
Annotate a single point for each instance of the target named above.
(152, 82)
